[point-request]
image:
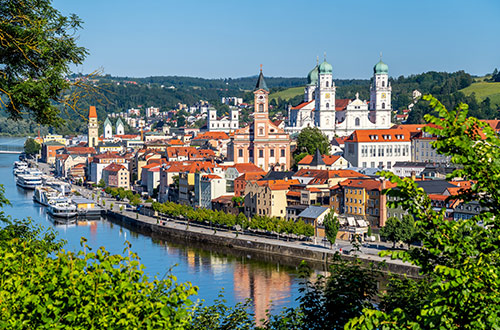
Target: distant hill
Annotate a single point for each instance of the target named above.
(483, 89)
(287, 94)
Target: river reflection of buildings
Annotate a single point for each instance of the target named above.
(263, 285)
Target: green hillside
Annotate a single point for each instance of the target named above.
(483, 90)
(287, 93)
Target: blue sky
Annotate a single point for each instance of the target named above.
(230, 38)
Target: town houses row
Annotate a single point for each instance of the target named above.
(249, 169)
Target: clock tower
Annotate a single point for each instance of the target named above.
(325, 97)
(380, 96)
(93, 128)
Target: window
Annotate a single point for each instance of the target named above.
(240, 152)
(282, 152)
(383, 105)
(271, 152)
(261, 107)
(261, 131)
(383, 83)
(327, 84)
(356, 122)
(261, 153)
(327, 105)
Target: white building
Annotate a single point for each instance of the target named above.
(134, 112)
(232, 100)
(341, 117)
(407, 169)
(108, 128)
(380, 148)
(225, 123)
(152, 112)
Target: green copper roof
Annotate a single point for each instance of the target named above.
(261, 83)
(107, 122)
(312, 77)
(381, 68)
(325, 67)
(119, 122)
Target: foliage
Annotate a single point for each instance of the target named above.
(332, 226)
(310, 139)
(31, 147)
(101, 183)
(220, 218)
(220, 316)
(459, 259)
(38, 47)
(396, 230)
(330, 302)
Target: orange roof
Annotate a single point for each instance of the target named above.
(292, 193)
(327, 159)
(127, 136)
(211, 176)
(113, 167)
(413, 128)
(301, 105)
(176, 142)
(251, 176)
(368, 184)
(494, 124)
(92, 112)
(380, 135)
(341, 104)
(247, 167)
(80, 150)
(212, 136)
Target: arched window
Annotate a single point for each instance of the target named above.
(383, 83)
(328, 105)
(356, 122)
(327, 83)
(383, 105)
(261, 107)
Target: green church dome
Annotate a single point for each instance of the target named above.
(325, 67)
(312, 77)
(381, 68)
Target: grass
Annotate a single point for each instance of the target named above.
(287, 93)
(483, 90)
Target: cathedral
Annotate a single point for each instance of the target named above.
(340, 117)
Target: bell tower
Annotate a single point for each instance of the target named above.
(93, 128)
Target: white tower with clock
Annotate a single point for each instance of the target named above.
(325, 97)
(380, 96)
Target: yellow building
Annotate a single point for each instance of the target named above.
(267, 198)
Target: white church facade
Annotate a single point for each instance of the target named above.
(108, 128)
(340, 117)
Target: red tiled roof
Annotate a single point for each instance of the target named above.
(251, 176)
(113, 167)
(301, 105)
(212, 136)
(80, 150)
(380, 135)
(367, 184)
(341, 104)
(247, 167)
(327, 159)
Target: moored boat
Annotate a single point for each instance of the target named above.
(62, 209)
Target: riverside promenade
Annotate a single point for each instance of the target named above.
(290, 252)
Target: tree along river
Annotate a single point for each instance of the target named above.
(211, 269)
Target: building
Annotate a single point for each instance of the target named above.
(408, 169)
(323, 162)
(261, 142)
(315, 215)
(225, 123)
(93, 128)
(267, 198)
(49, 151)
(99, 162)
(378, 148)
(341, 117)
(423, 151)
(116, 175)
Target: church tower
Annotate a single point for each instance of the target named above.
(93, 128)
(120, 128)
(312, 81)
(380, 96)
(108, 129)
(325, 97)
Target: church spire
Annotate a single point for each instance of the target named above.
(261, 83)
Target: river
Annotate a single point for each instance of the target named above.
(240, 275)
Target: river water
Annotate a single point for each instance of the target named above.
(241, 276)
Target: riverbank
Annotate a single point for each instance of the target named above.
(292, 251)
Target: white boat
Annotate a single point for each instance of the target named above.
(45, 195)
(62, 209)
(19, 167)
(28, 181)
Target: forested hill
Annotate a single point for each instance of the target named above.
(121, 93)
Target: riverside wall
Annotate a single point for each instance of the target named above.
(286, 254)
